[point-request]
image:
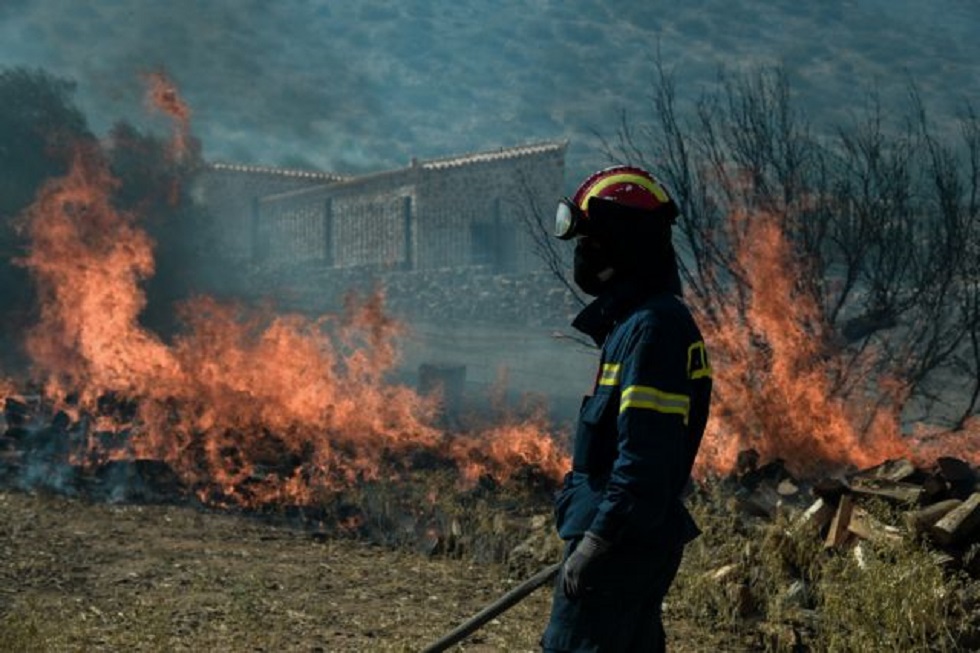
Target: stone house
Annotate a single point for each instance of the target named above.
(447, 239)
(450, 212)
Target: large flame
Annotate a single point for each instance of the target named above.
(776, 365)
(253, 407)
(247, 406)
(88, 260)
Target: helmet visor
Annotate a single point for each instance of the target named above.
(568, 219)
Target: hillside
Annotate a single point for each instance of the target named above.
(368, 85)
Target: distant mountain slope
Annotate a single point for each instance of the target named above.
(367, 85)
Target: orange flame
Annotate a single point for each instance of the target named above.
(163, 96)
(88, 260)
(235, 393)
(775, 367)
(247, 407)
(504, 448)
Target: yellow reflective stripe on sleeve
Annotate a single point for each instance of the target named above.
(644, 396)
(609, 374)
(697, 361)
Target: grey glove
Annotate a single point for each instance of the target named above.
(576, 567)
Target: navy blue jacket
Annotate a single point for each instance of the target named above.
(639, 432)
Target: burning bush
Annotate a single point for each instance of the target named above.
(835, 278)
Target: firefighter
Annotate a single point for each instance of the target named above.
(620, 508)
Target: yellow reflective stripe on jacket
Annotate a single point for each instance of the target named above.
(698, 366)
(609, 374)
(644, 396)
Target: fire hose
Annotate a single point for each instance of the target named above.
(504, 603)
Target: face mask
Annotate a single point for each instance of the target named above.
(592, 267)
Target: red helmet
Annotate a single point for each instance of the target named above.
(621, 185)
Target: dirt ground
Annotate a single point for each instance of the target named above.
(179, 578)
(76, 576)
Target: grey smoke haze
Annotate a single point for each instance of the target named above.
(368, 84)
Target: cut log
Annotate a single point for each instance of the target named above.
(815, 517)
(896, 491)
(865, 526)
(787, 488)
(838, 533)
(920, 521)
(900, 469)
(959, 523)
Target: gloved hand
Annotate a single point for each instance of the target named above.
(575, 569)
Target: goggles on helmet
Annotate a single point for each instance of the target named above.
(572, 221)
(569, 219)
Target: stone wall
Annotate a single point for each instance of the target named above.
(508, 333)
(471, 209)
(231, 194)
(452, 212)
(474, 294)
(363, 221)
(447, 241)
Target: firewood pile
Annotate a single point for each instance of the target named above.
(939, 503)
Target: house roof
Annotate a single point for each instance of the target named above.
(492, 155)
(429, 164)
(277, 172)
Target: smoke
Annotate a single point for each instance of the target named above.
(11, 7)
(350, 88)
(257, 73)
(365, 86)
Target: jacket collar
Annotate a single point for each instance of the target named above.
(620, 299)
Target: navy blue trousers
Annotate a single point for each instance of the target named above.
(621, 612)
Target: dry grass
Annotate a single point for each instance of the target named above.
(82, 577)
(774, 587)
(76, 576)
